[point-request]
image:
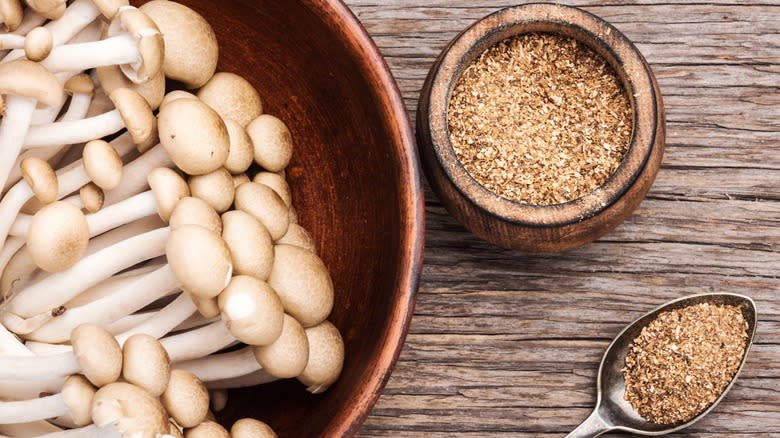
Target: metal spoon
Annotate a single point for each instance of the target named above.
(612, 412)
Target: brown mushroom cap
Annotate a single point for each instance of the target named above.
(208, 307)
(103, 164)
(146, 363)
(326, 357)
(298, 236)
(112, 78)
(51, 9)
(168, 188)
(77, 394)
(241, 154)
(37, 44)
(149, 43)
(264, 204)
(80, 84)
(240, 179)
(207, 429)
(278, 183)
(22, 77)
(92, 197)
(131, 410)
(58, 236)
(251, 428)
(287, 356)
(194, 211)
(194, 136)
(109, 8)
(303, 283)
(251, 247)
(272, 142)
(186, 398)
(216, 188)
(137, 115)
(200, 259)
(176, 95)
(98, 354)
(191, 48)
(233, 97)
(252, 310)
(41, 178)
(11, 14)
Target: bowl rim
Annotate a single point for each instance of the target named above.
(609, 42)
(342, 21)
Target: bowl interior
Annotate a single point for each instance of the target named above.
(355, 184)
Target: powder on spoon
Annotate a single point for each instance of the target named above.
(683, 361)
(540, 119)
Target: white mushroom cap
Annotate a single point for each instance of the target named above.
(298, 236)
(191, 48)
(194, 211)
(216, 188)
(272, 142)
(51, 9)
(149, 43)
(303, 283)
(78, 393)
(287, 356)
(200, 259)
(264, 204)
(58, 236)
(251, 247)
(168, 188)
(137, 115)
(241, 154)
(112, 78)
(186, 399)
(207, 429)
(233, 97)
(92, 197)
(131, 410)
(11, 14)
(251, 428)
(97, 353)
(41, 178)
(146, 363)
(252, 310)
(194, 136)
(37, 44)
(22, 77)
(326, 357)
(103, 164)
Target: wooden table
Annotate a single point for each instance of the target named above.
(507, 344)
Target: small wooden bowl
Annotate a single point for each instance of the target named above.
(356, 187)
(527, 227)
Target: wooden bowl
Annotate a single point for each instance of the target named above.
(528, 227)
(356, 187)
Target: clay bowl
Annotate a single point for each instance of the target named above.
(356, 187)
(522, 226)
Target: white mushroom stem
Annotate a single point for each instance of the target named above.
(57, 289)
(23, 390)
(77, 16)
(28, 430)
(13, 129)
(33, 409)
(222, 366)
(8, 250)
(259, 377)
(129, 298)
(30, 21)
(74, 131)
(163, 321)
(129, 322)
(33, 368)
(134, 176)
(106, 288)
(90, 431)
(117, 50)
(11, 41)
(199, 342)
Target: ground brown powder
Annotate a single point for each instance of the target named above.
(684, 360)
(539, 119)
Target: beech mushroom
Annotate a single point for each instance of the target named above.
(191, 48)
(134, 43)
(41, 178)
(272, 142)
(75, 400)
(326, 357)
(176, 95)
(111, 78)
(58, 237)
(51, 9)
(251, 428)
(195, 211)
(11, 14)
(131, 112)
(241, 153)
(38, 44)
(251, 310)
(250, 244)
(265, 205)
(92, 197)
(232, 97)
(146, 364)
(185, 399)
(131, 410)
(277, 183)
(207, 429)
(303, 283)
(216, 188)
(298, 236)
(25, 84)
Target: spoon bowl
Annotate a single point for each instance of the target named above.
(613, 412)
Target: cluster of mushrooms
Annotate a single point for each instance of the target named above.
(151, 256)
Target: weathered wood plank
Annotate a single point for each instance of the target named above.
(508, 344)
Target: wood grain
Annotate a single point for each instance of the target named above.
(507, 344)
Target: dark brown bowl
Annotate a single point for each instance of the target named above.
(356, 187)
(542, 228)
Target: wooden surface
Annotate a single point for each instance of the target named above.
(507, 344)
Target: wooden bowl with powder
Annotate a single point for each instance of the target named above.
(541, 127)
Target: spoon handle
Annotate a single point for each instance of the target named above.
(592, 427)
